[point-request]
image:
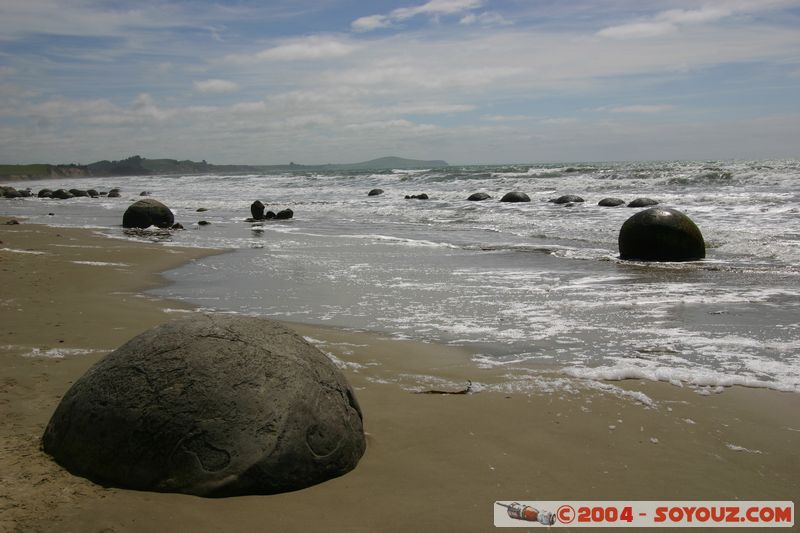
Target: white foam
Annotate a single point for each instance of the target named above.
(697, 376)
(59, 353)
(737, 448)
(100, 263)
(15, 251)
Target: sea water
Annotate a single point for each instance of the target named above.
(525, 284)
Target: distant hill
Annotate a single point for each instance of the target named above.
(41, 171)
(387, 163)
(140, 166)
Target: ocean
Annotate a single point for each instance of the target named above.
(528, 286)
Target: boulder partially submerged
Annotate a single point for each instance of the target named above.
(661, 234)
(478, 197)
(211, 406)
(515, 196)
(611, 202)
(146, 213)
(642, 202)
(567, 199)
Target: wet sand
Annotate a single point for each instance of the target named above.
(433, 462)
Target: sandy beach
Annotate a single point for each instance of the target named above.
(433, 462)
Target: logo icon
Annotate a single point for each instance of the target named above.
(527, 513)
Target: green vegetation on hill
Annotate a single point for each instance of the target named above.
(37, 170)
(140, 166)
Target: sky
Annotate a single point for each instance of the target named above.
(336, 81)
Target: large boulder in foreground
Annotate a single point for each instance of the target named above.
(146, 213)
(211, 406)
(661, 234)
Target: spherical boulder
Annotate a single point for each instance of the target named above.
(45, 193)
(422, 196)
(661, 234)
(642, 202)
(62, 194)
(146, 213)
(212, 406)
(285, 214)
(611, 202)
(257, 210)
(515, 196)
(113, 193)
(375, 192)
(567, 199)
(478, 197)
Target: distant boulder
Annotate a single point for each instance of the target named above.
(611, 202)
(212, 406)
(422, 196)
(375, 192)
(62, 194)
(11, 192)
(45, 193)
(93, 193)
(204, 223)
(643, 202)
(257, 210)
(567, 199)
(661, 234)
(113, 193)
(144, 193)
(284, 215)
(515, 196)
(478, 197)
(177, 226)
(269, 215)
(79, 193)
(146, 213)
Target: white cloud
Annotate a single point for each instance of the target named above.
(433, 8)
(671, 20)
(646, 109)
(315, 47)
(372, 22)
(488, 18)
(436, 7)
(215, 86)
(506, 118)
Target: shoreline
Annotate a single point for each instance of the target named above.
(441, 461)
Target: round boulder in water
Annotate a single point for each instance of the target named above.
(62, 194)
(661, 234)
(642, 202)
(611, 202)
(257, 210)
(478, 197)
(146, 213)
(515, 196)
(211, 406)
(567, 199)
(375, 192)
(284, 214)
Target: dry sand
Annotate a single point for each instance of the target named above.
(433, 463)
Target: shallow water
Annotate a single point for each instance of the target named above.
(529, 284)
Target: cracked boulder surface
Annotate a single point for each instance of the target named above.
(212, 406)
